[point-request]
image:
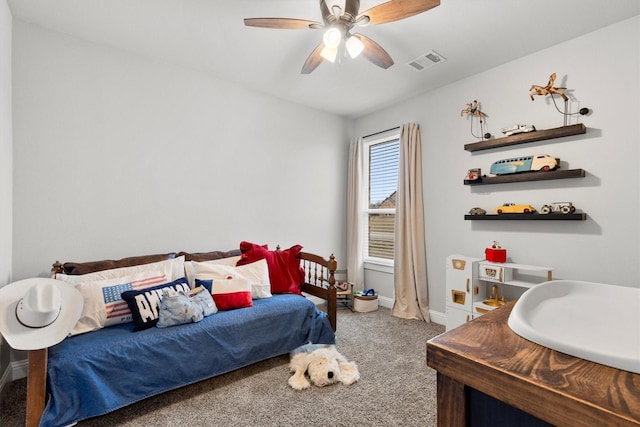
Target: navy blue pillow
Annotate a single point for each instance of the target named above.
(145, 303)
(207, 284)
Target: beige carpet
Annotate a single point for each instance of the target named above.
(396, 387)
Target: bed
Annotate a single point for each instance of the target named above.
(94, 373)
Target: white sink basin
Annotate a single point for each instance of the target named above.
(593, 321)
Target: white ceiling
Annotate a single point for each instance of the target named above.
(473, 35)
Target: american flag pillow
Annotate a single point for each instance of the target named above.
(103, 304)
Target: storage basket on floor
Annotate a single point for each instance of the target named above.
(363, 304)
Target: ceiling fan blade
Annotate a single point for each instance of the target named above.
(395, 10)
(351, 8)
(314, 59)
(374, 52)
(280, 23)
(327, 16)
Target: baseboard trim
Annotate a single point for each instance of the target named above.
(5, 379)
(438, 317)
(19, 369)
(385, 302)
(14, 371)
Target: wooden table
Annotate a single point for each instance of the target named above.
(486, 355)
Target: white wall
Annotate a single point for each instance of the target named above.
(5, 169)
(116, 155)
(104, 140)
(5, 143)
(602, 72)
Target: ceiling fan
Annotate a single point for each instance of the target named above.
(339, 23)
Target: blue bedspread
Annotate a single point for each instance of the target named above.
(99, 372)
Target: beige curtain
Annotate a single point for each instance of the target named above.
(355, 267)
(410, 265)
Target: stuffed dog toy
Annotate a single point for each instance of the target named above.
(322, 364)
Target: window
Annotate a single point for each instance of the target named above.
(381, 157)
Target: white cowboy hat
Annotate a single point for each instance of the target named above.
(38, 313)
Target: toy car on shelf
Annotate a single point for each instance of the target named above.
(513, 208)
(512, 130)
(532, 163)
(477, 211)
(558, 207)
(473, 174)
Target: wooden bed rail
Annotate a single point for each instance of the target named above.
(320, 281)
(36, 386)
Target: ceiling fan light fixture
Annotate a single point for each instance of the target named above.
(332, 38)
(354, 46)
(338, 19)
(329, 53)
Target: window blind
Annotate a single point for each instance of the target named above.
(383, 186)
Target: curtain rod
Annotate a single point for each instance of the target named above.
(382, 131)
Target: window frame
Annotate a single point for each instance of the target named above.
(375, 263)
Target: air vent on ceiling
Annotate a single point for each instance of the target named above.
(426, 60)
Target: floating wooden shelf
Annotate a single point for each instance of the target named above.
(528, 176)
(528, 217)
(522, 138)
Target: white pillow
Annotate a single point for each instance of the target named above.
(173, 269)
(257, 273)
(103, 305)
(190, 275)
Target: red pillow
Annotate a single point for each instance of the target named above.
(285, 273)
(229, 293)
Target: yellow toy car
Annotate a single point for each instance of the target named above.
(513, 208)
